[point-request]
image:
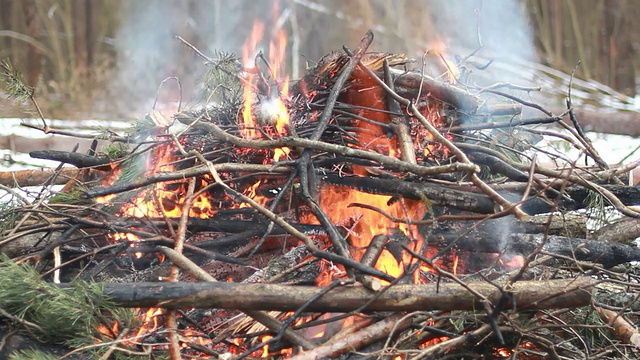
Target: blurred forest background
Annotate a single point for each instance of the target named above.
(106, 58)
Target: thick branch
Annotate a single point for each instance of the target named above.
(605, 253)
(440, 195)
(37, 177)
(443, 296)
(460, 98)
(77, 159)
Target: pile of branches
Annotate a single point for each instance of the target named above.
(464, 154)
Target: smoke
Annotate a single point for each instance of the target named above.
(501, 32)
(501, 27)
(148, 51)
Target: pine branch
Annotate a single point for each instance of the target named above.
(18, 89)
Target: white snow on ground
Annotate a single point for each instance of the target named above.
(612, 148)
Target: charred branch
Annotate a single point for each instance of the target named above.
(605, 253)
(76, 159)
(418, 191)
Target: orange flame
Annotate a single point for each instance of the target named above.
(249, 131)
(269, 109)
(438, 48)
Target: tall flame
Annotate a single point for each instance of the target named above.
(249, 130)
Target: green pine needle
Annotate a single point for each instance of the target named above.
(13, 83)
(66, 315)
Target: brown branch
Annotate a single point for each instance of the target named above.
(460, 98)
(444, 296)
(260, 316)
(36, 177)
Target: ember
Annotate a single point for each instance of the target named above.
(410, 229)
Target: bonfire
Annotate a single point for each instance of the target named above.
(366, 210)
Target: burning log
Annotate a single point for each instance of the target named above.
(462, 100)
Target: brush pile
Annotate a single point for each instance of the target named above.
(364, 211)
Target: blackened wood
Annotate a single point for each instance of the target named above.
(439, 195)
(605, 253)
(541, 294)
(245, 228)
(628, 195)
(77, 159)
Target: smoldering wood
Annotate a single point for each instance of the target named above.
(575, 197)
(605, 253)
(530, 295)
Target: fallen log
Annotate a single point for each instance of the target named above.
(625, 231)
(603, 121)
(443, 296)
